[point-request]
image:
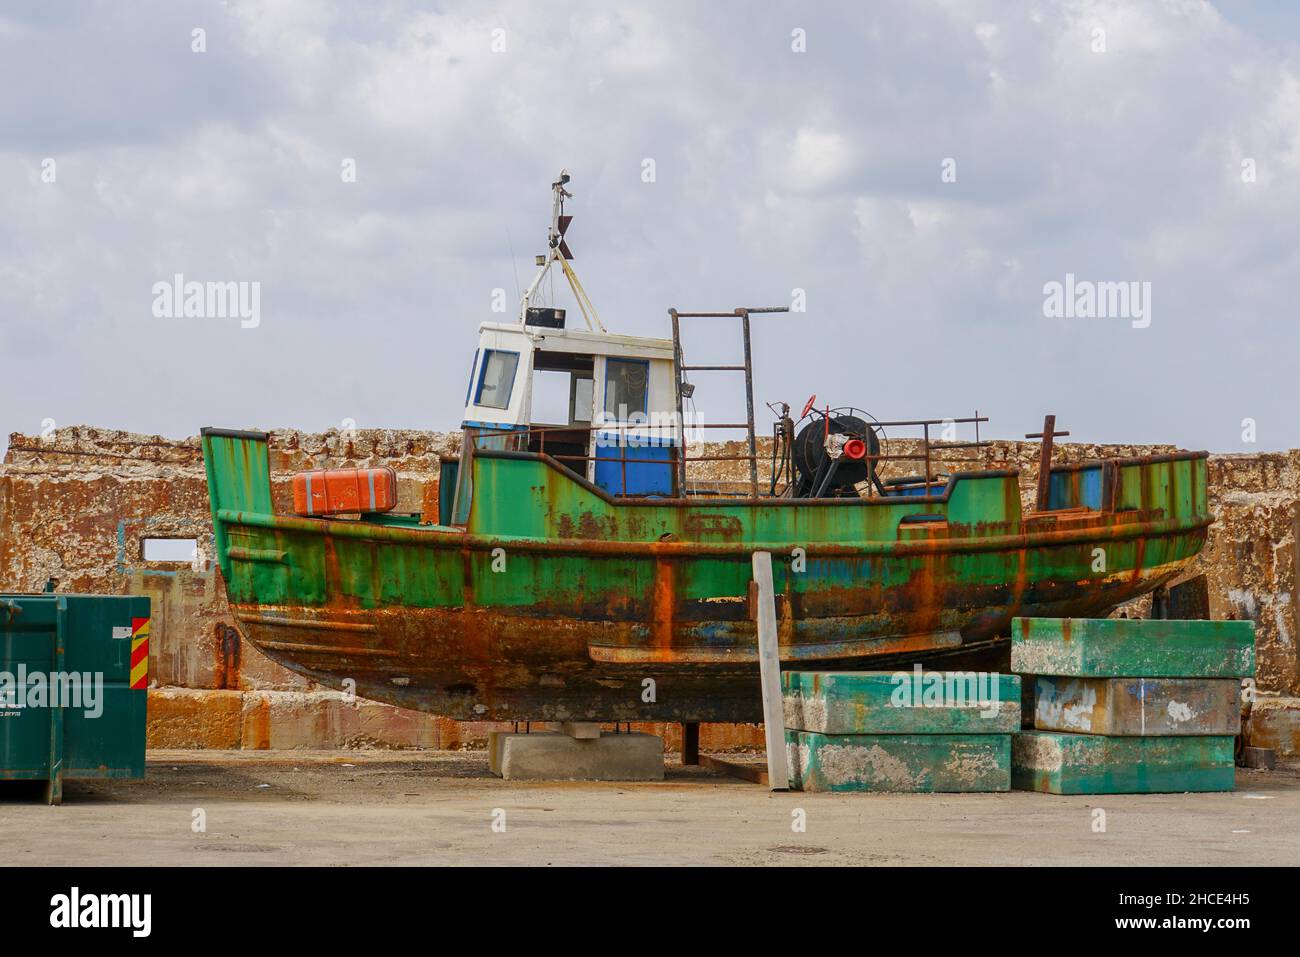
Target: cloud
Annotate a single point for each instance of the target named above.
(816, 158)
(775, 170)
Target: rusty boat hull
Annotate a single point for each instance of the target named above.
(556, 601)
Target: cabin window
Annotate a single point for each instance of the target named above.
(562, 389)
(496, 380)
(627, 386)
(583, 398)
(469, 386)
(551, 397)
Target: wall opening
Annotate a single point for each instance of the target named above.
(169, 549)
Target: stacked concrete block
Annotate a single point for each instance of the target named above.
(1117, 706)
(900, 731)
(1275, 723)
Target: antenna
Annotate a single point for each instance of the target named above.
(558, 251)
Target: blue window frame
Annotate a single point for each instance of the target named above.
(469, 386)
(496, 379)
(627, 387)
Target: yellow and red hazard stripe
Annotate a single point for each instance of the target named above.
(140, 653)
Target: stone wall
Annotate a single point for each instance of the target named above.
(77, 505)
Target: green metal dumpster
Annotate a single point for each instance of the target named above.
(74, 670)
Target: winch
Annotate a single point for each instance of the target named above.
(829, 451)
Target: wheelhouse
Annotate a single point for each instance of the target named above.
(600, 404)
(609, 409)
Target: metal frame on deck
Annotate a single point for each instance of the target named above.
(679, 374)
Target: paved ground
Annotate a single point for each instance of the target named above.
(332, 808)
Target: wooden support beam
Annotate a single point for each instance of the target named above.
(769, 667)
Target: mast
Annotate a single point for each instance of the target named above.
(557, 250)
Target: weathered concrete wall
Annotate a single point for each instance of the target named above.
(77, 505)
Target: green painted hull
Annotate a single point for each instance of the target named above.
(555, 601)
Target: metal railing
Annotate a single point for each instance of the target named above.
(926, 455)
(679, 458)
(676, 431)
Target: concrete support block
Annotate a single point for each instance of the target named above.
(899, 762)
(901, 702)
(1275, 723)
(1097, 764)
(1148, 707)
(1131, 647)
(548, 756)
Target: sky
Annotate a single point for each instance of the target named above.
(918, 175)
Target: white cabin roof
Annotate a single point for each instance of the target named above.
(587, 342)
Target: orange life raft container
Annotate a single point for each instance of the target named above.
(338, 491)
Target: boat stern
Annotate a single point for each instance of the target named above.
(238, 467)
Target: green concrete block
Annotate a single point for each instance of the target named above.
(1150, 707)
(1063, 763)
(901, 702)
(899, 762)
(1132, 648)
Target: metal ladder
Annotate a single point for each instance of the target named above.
(680, 369)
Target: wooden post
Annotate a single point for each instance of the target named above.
(769, 669)
(690, 742)
(1045, 460)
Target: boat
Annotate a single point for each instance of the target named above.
(579, 571)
